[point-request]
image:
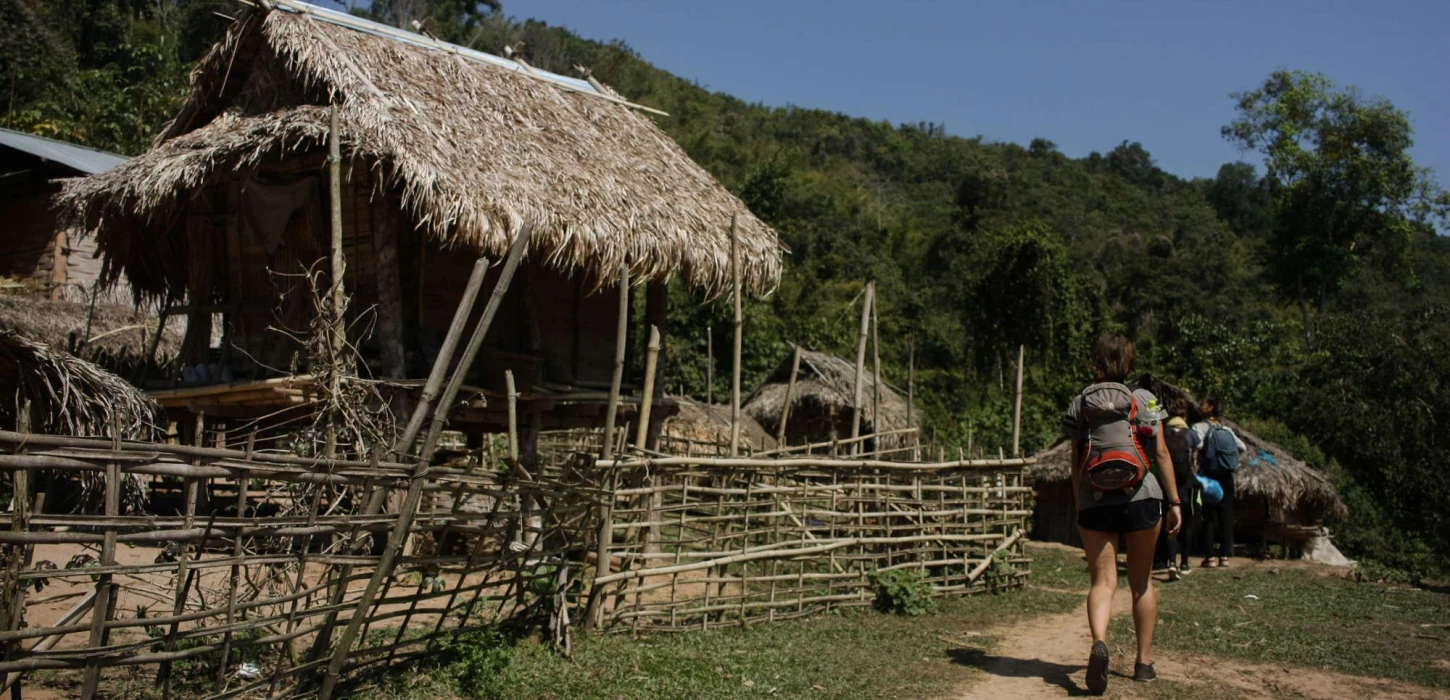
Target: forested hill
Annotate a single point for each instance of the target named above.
(976, 247)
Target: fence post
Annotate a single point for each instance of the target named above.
(861, 362)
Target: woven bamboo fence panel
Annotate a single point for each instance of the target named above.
(696, 543)
(247, 589)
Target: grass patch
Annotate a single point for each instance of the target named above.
(858, 653)
(1303, 618)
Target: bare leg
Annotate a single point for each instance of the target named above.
(1102, 556)
(1145, 600)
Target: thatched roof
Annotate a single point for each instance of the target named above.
(476, 148)
(695, 420)
(68, 395)
(120, 336)
(824, 381)
(1285, 481)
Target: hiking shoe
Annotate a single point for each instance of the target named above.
(1144, 673)
(1173, 574)
(1185, 570)
(1097, 671)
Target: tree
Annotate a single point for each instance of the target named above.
(1344, 187)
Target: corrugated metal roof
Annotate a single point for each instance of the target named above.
(85, 160)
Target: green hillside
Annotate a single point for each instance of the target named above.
(976, 247)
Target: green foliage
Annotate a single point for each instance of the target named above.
(1344, 187)
(902, 592)
(474, 660)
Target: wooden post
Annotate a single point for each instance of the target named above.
(709, 367)
(795, 370)
(105, 589)
(621, 339)
(339, 297)
(651, 363)
(1017, 404)
(415, 483)
(911, 395)
(735, 367)
(19, 522)
(861, 362)
(513, 416)
(243, 483)
(390, 292)
(875, 376)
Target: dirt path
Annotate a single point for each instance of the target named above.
(1046, 657)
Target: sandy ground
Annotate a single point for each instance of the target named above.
(1046, 657)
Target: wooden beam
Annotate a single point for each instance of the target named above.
(795, 370)
(445, 355)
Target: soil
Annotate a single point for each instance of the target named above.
(1046, 657)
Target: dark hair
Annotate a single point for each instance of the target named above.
(1112, 358)
(1178, 407)
(1214, 406)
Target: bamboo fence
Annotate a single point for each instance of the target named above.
(700, 541)
(245, 590)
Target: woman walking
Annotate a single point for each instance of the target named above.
(1112, 427)
(1219, 449)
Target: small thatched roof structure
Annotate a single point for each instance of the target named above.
(68, 395)
(477, 145)
(826, 386)
(696, 421)
(1286, 481)
(120, 336)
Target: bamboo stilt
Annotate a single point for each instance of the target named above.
(735, 359)
(647, 399)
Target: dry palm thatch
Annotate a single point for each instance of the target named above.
(826, 383)
(476, 150)
(120, 336)
(698, 422)
(69, 396)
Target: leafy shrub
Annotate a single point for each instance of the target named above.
(902, 592)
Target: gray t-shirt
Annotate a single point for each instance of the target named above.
(1088, 497)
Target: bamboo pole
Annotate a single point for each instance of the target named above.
(709, 367)
(183, 580)
(19, 522)
(105, 589)
(513, 417)
(876, 371)
(339, 268)
(1017, 404)
(650, 365)
(621, 339)
(795, 369)
(409, 509)
(735, 365)
(911, 396)
(861, 360)
(445, 355)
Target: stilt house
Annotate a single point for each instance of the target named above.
(448, 153)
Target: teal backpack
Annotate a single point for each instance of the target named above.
(1220, 450)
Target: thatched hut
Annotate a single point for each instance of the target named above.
(69, 396)
(821, 406)
(698, 428)
(42, 256)
(449, 154)
(1278, 495)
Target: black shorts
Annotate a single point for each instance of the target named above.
(1127, 517)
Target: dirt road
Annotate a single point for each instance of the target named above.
(1046, 657)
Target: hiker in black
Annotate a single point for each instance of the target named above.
(1218, 518)
(1118, 498)
(1182, 443)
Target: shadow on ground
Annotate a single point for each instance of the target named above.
(1059, 675)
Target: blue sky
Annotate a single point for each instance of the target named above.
(1086, 75)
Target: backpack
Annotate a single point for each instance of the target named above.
(1113, 458)
(1220, 450)
(1179, 449)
